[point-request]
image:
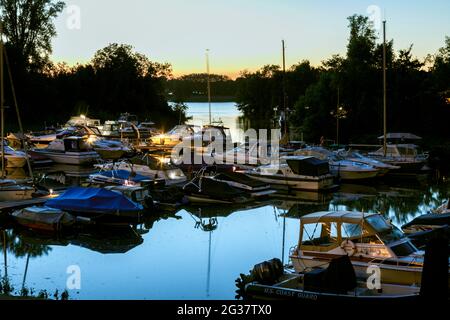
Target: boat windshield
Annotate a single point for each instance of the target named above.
(391, 236)
(404, 249)
(182, 131)
(378, 223)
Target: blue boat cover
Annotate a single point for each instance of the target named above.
(124, 175)
(93, 200)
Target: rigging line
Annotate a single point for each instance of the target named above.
(16, 105)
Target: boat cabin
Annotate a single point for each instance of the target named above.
(307, 166)
(134, 193)
(352, 233)
(399, 151)
(76, 144)
(82, 121)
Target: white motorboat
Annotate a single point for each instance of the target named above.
(249, 156)
(70, 150)
(383, 168)
(367, 238)
(175, 136)
(296, 172)
(10, 190)
(149, 167)
(343, 169)
(406, 156)
(244, 183)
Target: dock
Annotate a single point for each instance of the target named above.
(14, 205)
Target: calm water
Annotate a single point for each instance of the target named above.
(225, 112)
(195, 253)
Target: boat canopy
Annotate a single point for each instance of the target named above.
(93, 200)
(124, 175)
(336, 216)
(308, 166)
(400, 136)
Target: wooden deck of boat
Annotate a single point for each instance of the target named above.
(14, 205)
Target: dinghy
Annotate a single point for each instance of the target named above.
(44, 219)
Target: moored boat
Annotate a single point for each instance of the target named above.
(204, 190)
(405, 156)
(44, 219)
(150, 167)
(383, 168)
(96, 203)
(296, 172)
(244, 183)
(10, 190)
(342, 169)
(336, 283)
(367, 238)
(69, 150)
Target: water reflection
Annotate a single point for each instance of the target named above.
(194, 253)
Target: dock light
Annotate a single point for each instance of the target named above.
(50, 191)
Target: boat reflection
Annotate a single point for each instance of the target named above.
(109, 240)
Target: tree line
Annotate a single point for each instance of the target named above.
(116, 80)
(418, 92)
(119, 79)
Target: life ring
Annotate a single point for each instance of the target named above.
(349, 247)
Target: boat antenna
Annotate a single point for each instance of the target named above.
(19, 120)
(284, 238)
(384, 92)
(2, 102)
(208, 84)
(284, 89)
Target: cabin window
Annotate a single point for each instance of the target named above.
(321, 234)
(406, 151)
(351, 230)
(392, 235)
(403, 249)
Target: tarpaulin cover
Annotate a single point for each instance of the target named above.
(95, 200)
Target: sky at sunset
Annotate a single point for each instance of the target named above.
(243, 34)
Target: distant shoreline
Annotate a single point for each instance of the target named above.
(205, 99)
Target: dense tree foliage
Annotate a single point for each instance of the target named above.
(116, 80)
(193, 87)
(417, 91)
(28, 26)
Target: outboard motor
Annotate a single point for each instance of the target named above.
(268, 272)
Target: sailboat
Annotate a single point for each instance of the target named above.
(10, 190)
(405, 156)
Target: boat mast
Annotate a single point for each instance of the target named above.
(2, 102)
(284, 90)
(384, 92)
(209, 85)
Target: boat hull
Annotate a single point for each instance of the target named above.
(352, 175)
(16, 193)
(258, 291)
(75, 158)
(394, 274)
(307, 184)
